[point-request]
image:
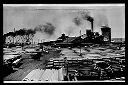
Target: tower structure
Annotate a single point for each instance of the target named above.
(106, 32)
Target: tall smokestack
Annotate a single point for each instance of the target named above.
(89, 18)
(86, 16)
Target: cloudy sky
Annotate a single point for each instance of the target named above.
(62, 18)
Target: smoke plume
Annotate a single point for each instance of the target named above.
(47, 28)
(21, 32)
(77, 21)
(87, 16)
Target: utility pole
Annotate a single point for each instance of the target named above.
(80, 42)
(67, 39)
(38, 41)
(66, 65)
(13, 36)
(42, 44)
(32, 42)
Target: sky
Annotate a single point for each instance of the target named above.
(62, 16)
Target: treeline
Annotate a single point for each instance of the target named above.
(26, 34)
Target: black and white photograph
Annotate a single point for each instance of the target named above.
(63, 43)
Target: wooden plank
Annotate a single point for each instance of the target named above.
(28, 77)
(53, 75)
(17, 61)
(37, 75)
(60, 75)
(45, 76)
(56, 75)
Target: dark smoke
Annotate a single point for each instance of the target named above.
(77, 21)
(89, 18)
(21, 32)
(48, 28)
(86, 16)
(38, 28)
(30, 31)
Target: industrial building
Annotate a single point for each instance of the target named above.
(89, 37)
(106, 32)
